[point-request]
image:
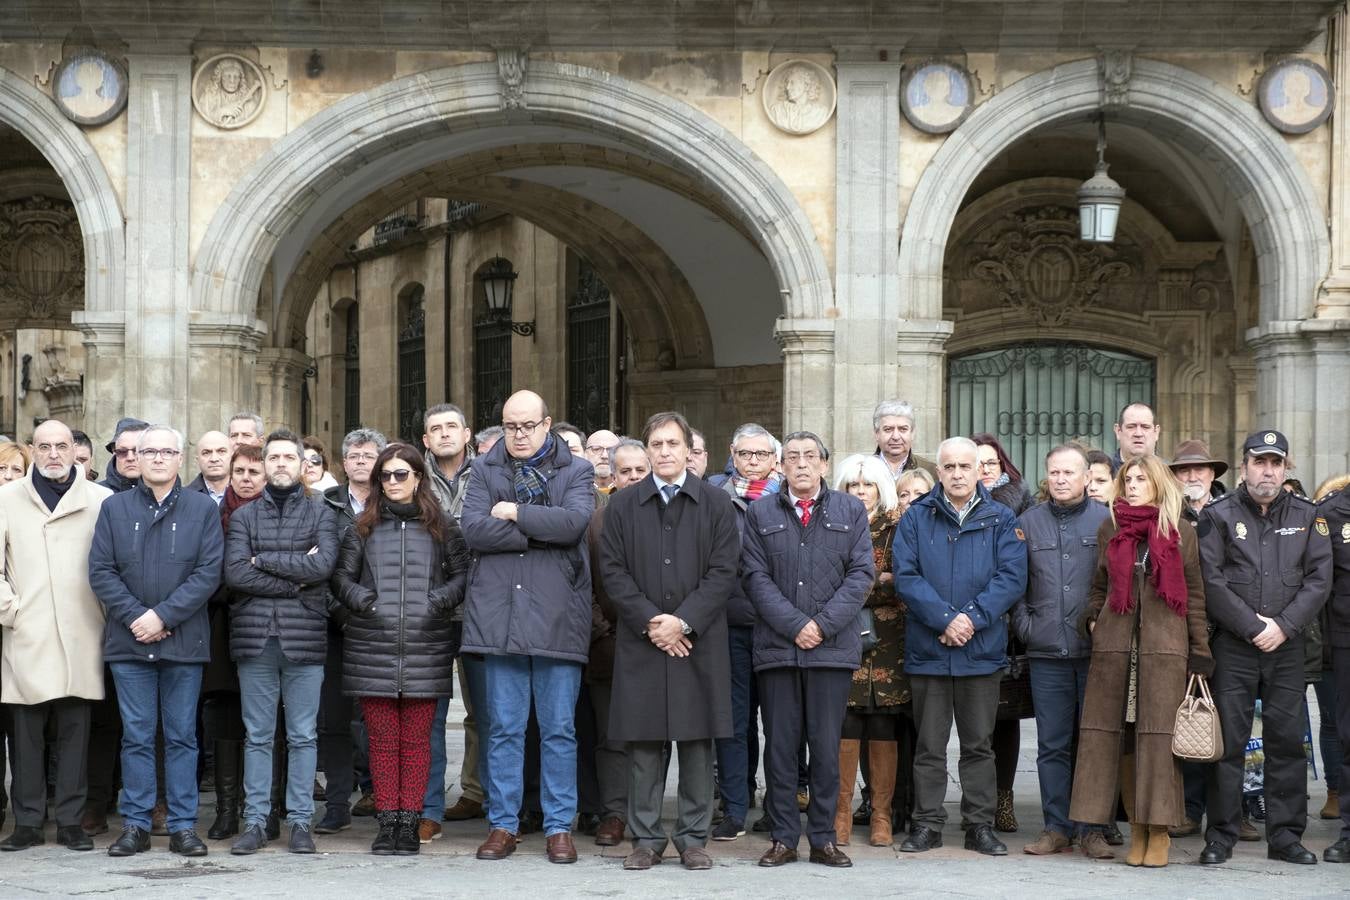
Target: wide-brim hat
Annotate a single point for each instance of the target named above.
(1196, 453)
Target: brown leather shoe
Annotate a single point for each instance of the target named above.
(641, 859)
(93, 821)
(695, 859)
(560, 848)
(610, 833)
(463, 810)
(778, 854)
(830, 855)
(427, 830)
(499, 845)
(159, 820)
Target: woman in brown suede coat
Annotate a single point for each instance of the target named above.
(1146, 616)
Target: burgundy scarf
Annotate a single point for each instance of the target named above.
(1133, 523)
(230, 503)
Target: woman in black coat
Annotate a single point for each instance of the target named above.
(997, 472)
(401, 572)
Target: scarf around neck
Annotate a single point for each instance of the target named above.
(230, 503)
(1136, 523)
(753, 490)
(530, 484)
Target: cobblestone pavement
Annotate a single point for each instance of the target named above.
(447, 866)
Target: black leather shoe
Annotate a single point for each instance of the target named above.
(982, 839)
(778, 854)
(1295, 853)
(1338, 852)
(830, 855)
(133, 840)
(186, 843)
(335, 818)
(74, 838)
(24, 836)
(253, 839)
(1215, 853)
(921, 839)
(762, 825)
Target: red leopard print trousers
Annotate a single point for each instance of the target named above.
(400, 749)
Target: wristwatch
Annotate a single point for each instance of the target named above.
(685, 629)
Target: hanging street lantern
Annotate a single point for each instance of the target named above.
(1099, 198)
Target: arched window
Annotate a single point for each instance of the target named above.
(351, 392)
(491, 358)
(412, 363)
(588, 351)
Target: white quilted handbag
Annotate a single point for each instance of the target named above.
(1197, 735)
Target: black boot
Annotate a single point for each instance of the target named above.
(405, 835)
(228, 764)
(384, 842)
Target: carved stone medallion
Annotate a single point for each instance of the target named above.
(1296, 95)
(41, 258)
(90, 87)
(229, 90)
(936, 96)
(799, 96)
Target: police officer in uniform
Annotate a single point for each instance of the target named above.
(1267, 569)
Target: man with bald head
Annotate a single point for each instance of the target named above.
(213, 465)
(51, 665)
(598, 446)
(525, 516)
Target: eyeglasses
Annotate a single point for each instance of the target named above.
(595, 448)
(988, 464)
(124, 452)
(399, 475)
(522, 428)
(48, 448)
(314, 460)
(158, 453)
(362, 457)
(760, 455)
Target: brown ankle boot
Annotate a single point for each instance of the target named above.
(881, 757)
(848, 775)
(1138, 833)
(1159, 842)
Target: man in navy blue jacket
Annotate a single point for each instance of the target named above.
(154, 563)
(960, 564)
(807, 563)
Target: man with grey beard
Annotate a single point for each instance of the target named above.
(1197, 471)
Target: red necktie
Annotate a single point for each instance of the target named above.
(805, 507)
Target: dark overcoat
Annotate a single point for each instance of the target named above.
(679, 559)
(1169, 646)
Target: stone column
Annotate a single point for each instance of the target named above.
(1334, 301)
(867, 239)
(808, 376)
(922, 379)
(280, 372)
(159, 143)
(223, 352)
(104, 373)
(1302, 368)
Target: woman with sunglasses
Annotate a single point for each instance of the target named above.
(314, 467)
(401, 571)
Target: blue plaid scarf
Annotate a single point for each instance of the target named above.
(530, 484)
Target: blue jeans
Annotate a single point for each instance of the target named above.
(733, 753)
(148, 693)
(1057, 687)
(262, 680)
(433, 805)
(553, 683)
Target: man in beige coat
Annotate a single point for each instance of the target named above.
(51, 664)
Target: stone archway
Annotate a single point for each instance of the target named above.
(405, 125)
(1281, 208)
(102, 228)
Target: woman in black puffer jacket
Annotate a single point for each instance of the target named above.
(401, 572)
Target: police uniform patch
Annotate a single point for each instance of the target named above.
(1270, 437)
(1321, 525)
(1240, 529)
(1021, 535)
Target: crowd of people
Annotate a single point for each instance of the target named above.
(605, 604)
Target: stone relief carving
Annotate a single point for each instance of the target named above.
(1117, 67)
(90, 87)
(1039, 267)
(41, 259)
(799, 96)
(229, 91)
(937, 96)
(1295, 95)
(512, 64)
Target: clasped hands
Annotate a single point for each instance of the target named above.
(149, 628)
(666, 632)
(1271, 637)
(959, 630)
